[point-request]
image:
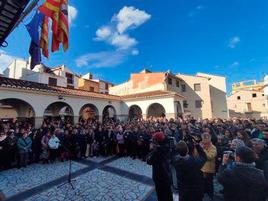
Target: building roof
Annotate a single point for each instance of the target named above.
(158, 93)
(10, 12)
(34, 86)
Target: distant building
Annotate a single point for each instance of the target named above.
(86, 83)
(201, 96)
(205, 95)
(59, 76)
(248, 100)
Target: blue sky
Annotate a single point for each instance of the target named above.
(113, 38)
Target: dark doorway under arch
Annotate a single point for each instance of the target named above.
(89, 112)
(156, 110)
(109, 112)
(59, 111)
(135, 112)
(13, 108)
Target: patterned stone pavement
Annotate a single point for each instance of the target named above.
(97, 185)
(14, 181)
(135, 166)
(97, 179)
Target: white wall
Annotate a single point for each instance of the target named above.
(218, 95)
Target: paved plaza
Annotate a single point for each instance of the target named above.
(96, 179)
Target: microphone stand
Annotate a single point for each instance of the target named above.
(70, 180)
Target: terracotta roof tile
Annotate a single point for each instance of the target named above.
(34, 86)
(150, 94)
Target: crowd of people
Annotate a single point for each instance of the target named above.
(196, 149)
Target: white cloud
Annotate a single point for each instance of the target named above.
(233, 42)
(235, 64)
(130, 17)
(101, 59)
(5, 60)
(72, 14)
(135, 52)
(196, 11)
(115, 32)
(123, 41)
(103, 33)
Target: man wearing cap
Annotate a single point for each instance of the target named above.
(161, 172)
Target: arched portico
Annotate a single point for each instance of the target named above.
(156, 110)
(108, 112)
(11, 108)
(135, 112)
(89, 111)
(59, 110)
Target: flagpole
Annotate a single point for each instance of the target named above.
(25, 13)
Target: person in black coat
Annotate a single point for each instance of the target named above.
(188, 171)
(261, 149)
(158, 158)
(244, 181)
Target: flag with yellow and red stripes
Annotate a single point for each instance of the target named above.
(44, 37)
(50, 7)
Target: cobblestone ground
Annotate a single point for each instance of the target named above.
(96, 179)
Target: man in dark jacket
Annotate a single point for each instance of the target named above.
(188, 171)
(158, 158)
(243, 181)
(261, 149)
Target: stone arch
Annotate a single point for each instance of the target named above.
(89, 111)
(11, 108)
(59, 110)
(109, 112)
(156, 110)
(135, 112)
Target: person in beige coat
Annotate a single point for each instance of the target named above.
(209, 167)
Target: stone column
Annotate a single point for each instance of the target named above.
(76, 119)
(38, 121)
(100, 118)
(144, 116)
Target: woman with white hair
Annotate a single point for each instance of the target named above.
(236, 143)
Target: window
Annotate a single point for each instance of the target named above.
(106, 86)
(254, 95)
(197, 87)
(183, 87)
(69, 77)
(198, 103)
(177, 83)
(169, 81)
(238, 97)
(91, 89)
(185, 104)
(52, 81)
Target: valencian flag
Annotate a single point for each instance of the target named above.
(50, 7)
(63, 26)
(44, 37)
(33, 29)
(57, 10)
